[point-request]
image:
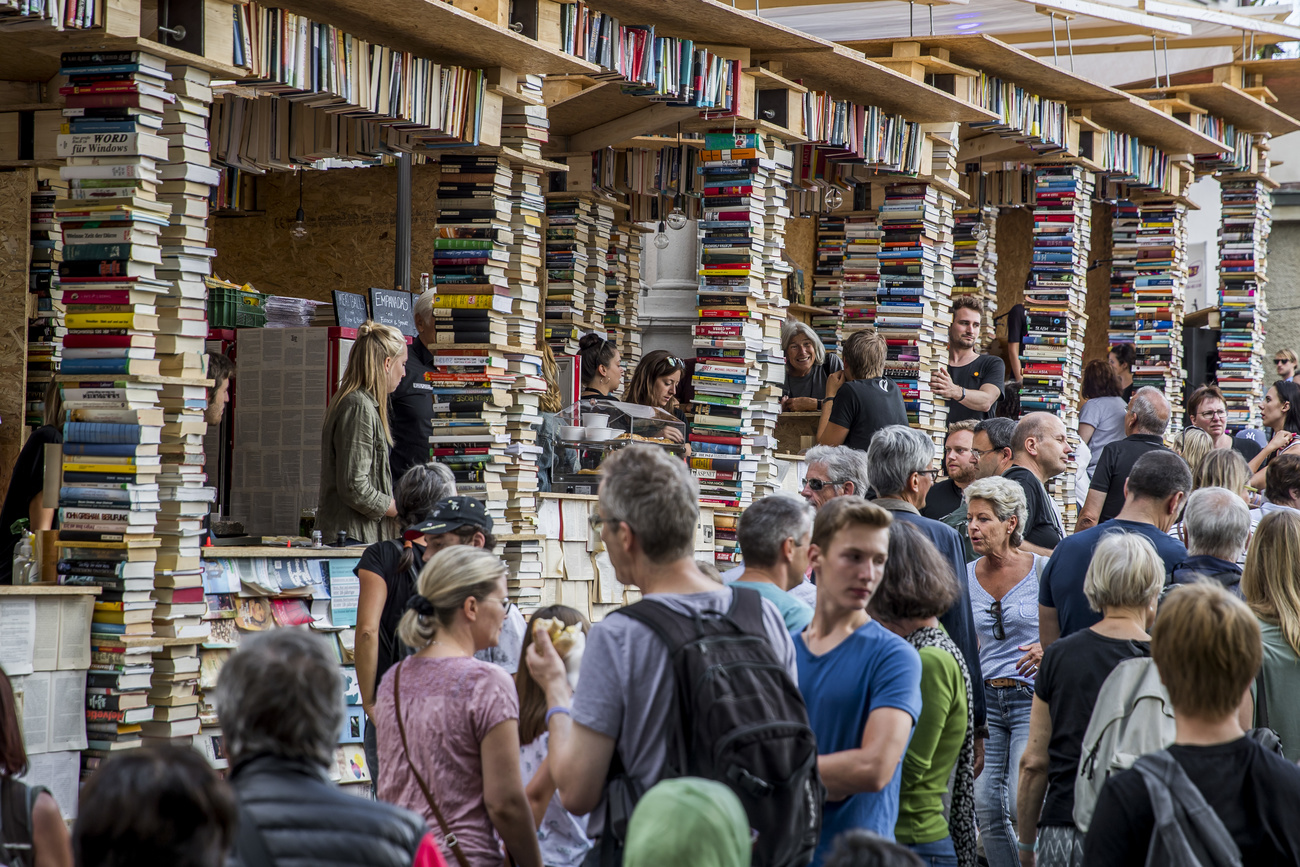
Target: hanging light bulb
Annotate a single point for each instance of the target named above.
(298, 228)
(661, 237)
(677, 218)
(979, 231)
(834, 198)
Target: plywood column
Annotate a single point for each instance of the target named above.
(16, 190)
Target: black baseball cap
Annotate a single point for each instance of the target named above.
(452, 514)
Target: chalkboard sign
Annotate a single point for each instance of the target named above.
(393, 307)
(349, 309)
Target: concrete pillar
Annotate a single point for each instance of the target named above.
(668, 309)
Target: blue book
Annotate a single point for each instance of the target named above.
(94, 124)
(119, 494)
(100, 432)
(714, 448)
(108, 628)
(123, 450)
(107, 68)
(78, 366)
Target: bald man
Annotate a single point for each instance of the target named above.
(1144, 426)
(1039, 452)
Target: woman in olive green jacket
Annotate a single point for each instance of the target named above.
(356, 489)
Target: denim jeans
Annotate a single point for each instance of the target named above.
(940, 853)
(995, 788)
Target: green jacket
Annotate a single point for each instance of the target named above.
(356, 487)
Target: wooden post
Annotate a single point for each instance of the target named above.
(16, 190)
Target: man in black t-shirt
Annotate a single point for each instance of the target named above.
(1017, 332)
(411, 406)
(860, 399)
(1039, 451)
(1206, 644)
(1144, 426)
(971, 383)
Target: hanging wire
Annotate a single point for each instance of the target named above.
(911, 9)
(1169, 82)
(1056, 60)
(1155, 59)
(1069, 40)
(931, 8)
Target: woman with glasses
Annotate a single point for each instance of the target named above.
(448, 724)
(602, 366)
(1280, 412)
(1123, 584)
(655, 382)
(1004, 599)
(1207, 409)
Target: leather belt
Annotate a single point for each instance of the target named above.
(1003, 682)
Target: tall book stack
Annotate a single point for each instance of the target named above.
(568, 235)
(623, 292)
(1159, 290)
(914, 299)
(117, 691)
(861, 272)
(730, 335)
(472, 311)
(828, 280)
(45, 329)
(1123, 271)
(975, 263)
(598, 249)
(1054, 302)
(1243, 253)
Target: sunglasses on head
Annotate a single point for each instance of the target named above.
(674, 362)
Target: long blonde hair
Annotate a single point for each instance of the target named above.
(1271, 580)
(551, 401)
(1194, 446)
(375, 344)
(449, 578)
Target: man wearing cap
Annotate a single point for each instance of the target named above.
(465, 521)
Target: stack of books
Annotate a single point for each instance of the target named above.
(173, 692)
(730, 335)
(1159, 290)
(861, 273)
(1123, 271)
(1054, 302)
(828, 280)
(526, 127)
(117, 690)
(45, 330)
(1235, 157)
(975, 263)
(51, 14)
(1243, 252)
(1124, 158)
(623, 292)
(599, 242)
(914, 299)
(1032, 120)
(569, 226)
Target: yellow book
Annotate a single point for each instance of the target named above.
(71, 467)
(138, 321)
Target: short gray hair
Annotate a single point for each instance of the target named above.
(792, 328)
(1151, 408)
(281, 693)
(1217, 522)
(1006, 497)
(1125, 572)
(421, 488)
(766, 525)
(655, 495)
(897, 451)
(843, 464)
(422, 310)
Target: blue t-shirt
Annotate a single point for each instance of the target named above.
(1062, 585)
(872, 668)
(796, 614)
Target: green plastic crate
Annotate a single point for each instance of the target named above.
(235, 308)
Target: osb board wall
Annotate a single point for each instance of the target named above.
(1098, 301)
(16, 190)
(801, 251)
(351, 215)
(1015, 246)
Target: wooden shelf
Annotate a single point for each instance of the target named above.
(49, 590)
(1282, 76)
(439, 31)
(986, 54)
(510, 154)
(33, 106)
(1237, 107)
(810, 310)
(1206, 317)
(1151, 125)
(33, 55)
(275, 552)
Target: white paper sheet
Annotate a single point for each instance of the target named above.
(17, 635)
(36, 711)
(60, 773)
(45, 644)
(574, 514)
(74, 632)
(68, 716)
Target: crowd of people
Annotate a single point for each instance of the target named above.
(916, 663)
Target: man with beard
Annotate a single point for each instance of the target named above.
(972, 383)
(959, 465)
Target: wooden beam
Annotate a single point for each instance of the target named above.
(1224, 19)
(1044, 34)
(1136, 18)
(647, 121)
(1174, 44)
(16, 190)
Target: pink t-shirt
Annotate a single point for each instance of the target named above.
(449, 706)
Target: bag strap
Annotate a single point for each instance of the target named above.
(747, 611)
(249, 841)
(448, 837)
(1178, 804)
(1261, 701)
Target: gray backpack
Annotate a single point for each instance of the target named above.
(1187, 831)
(1132, 717)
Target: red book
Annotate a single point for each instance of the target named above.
(107, 100)
(466, 450)
(728, 191)
(717, 440)
(105, 296)
(187, 595)
(101, 87)
(732, 215)
(90, 340)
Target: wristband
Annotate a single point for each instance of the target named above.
(963, 393)
(1027, 847)
(553, 711)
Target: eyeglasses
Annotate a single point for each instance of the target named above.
(1213, 413)
(980, 453)
(933, 474)
(505, 603)
(999, 628)
(596, 521)
(820, 484)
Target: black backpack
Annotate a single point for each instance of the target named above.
(16, 803)
(739, 719)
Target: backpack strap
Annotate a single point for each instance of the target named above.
(1189, 830)
(747, 611)
(17, 800)
(1261, 701)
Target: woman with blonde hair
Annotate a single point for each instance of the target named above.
(1271, 585)
(1223, 468)
(1193, 445)
(356, 484)
(448, 724)
(1123, 584)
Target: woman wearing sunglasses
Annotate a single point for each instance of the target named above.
(1004, 599)
(655, 382)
